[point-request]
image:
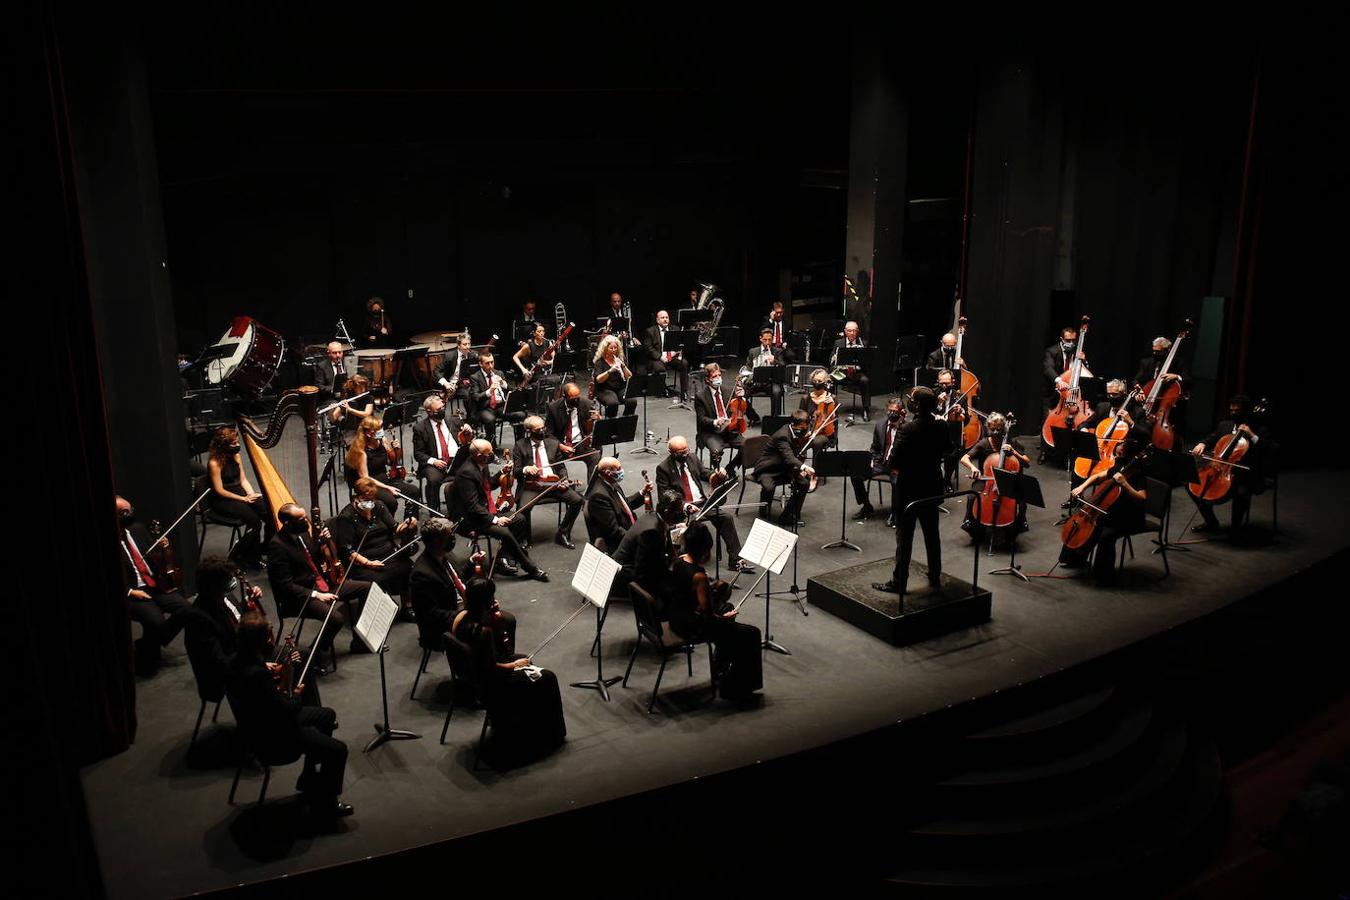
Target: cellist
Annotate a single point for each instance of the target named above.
(996, 437)
(1246, 480)
(1122, 517)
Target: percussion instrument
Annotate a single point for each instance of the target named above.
(255, 354)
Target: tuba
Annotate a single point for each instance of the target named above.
(708, 299)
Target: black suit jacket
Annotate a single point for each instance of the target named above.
(879, 444)
(478, 390)
(1148, 365)
(424, 442)
(468, 497)
(325, 380)
(779, 457)
(1055, 363)
(645, 553)
(141, 536)
(210, 637)
(604, 519)
(705, 410)
(917, 456)
(524, 456)
(558, 418)
(652, 341)
(289, 573)
(267, 717)
(668, 476)
(448, 364)
(434, 598)
(937, 360)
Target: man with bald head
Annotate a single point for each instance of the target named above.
(330, 374)
(855, 379)
(664, 351)
(609, 511)
(944, 357)
(298, 585)
(683, 473)
(151, 600)
(538, 465)
(473, 501)
(568, 419)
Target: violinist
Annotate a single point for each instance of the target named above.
(944, 357)
(776, 322)
(369, 456)
(453, 375)
(330, 374)
(609, 511)
(436, 445)
(711, 404)
(765, 355)
(646, 551)
(523, 699)
(817, 403)
(681, 471)
(662, 357)
(996, 437)
(951, 410)
(920, 447)
(366, 533)
(233, 497)
(781, 463)
(211, 627)
(570, 420)
(487, 393)
(611, 375)
(1121, 518)
(539, 465)
(151, 600)
(1246, 480)
(883, 439)
(699, 611)
(532, 354)
(280, 726)
(300, 586)
(436, 585)
(853, 376)
(474, 493)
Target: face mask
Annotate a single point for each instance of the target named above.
(127, 515)
(1116, 400)
(365, 505)
(536, 435)
(1067, 346)
(618, 475)
(234, 448)
(819, 385)
(379, 435)
(574, 402)
(716, 382)
(681, 457)
(297, 526)
(893, 416)
(1160, 355)
(438, 414)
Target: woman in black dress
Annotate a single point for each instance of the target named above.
(368, 457)
(610, 376)
(349, 413)
(522, 699)
(694, 615)
(232, 496)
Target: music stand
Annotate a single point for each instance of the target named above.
(771, 424)
(1018, 487)
(617, 324)
(644, 386)
(728, 342)
(846, 464)
(687, 318)
(402, 373)
(770, 376)
(614, 431)
(909, 355)
(1177, 469)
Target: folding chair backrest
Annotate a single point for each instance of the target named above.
(753, 450)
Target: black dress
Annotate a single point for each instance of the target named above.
(610, 392)
(738, 660)
(377, 465)
(527, 715)
(257, 519)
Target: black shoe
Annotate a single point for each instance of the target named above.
(564, 540)
(537, 575)
(1206, 528)
(867, 415)
(864, 513)
(359, 646)
(741, 565)
(1066, 504)
(331, 812)
(407, 614)
(890, 521)
(888, 587)
(506, 567)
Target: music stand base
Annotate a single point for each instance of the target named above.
(1011, 570)
(637, 451)
(384, 733)
(599, 684)
(771, 644)
(841, 543)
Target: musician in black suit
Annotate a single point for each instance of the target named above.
(609, 511)
(298, 586)
(455, 368)
(666, 357)
(682, 472)
(712, 400)
(859, 380)
(764, 355)
(1246, 481)
(883, 439)
(487, 394)
(776, 323)
(474, 503)
(211, 626)
(1151, 365)
(149, 600)
(780, 463)
(368, 539)
(278, 726)
(437, 584)
(916, 457)
(646, 551)
(569, 419)
(330, 374)
(944, 357)
(1058, 357)
(538, 460)
(436, 446)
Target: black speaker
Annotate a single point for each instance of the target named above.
(1062, 310)
(909, 353)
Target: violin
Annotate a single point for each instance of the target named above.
(504, 496)
(163, 560)
(397, 470)
(994, 512)
(1069, 411)
(1083, 526)
(1162, 394)
(248, 595)
(825, 413)
(647, 503)
(737, 422)
(328, 554)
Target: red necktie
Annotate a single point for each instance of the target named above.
(141, 565)
(319, 581)
(684, 480)
(459, 585)
(487, 489)
(538, 463)
(624, 503)
(492, 394)
(778, 334)
(890, 436)
(440, 439)
(717, 398)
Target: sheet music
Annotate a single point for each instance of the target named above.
(377, 617)
(595, 575)
(768, 546)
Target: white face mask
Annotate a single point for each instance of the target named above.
(365, 505)
(716, 382)
(379, 435)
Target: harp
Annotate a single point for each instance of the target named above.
(303, 402)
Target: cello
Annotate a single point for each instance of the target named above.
(1110, 435)
(1215, 483)
(1068, 412)
(1085, 524)
(994, 512)
(1162, 394)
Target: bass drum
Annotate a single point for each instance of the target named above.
(255, 355)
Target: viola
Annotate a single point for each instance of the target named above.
(1162, 395)
(825, 412)
(995, 512)
(1083, 526)
(335, 571)
(504, 496)
(163, 560)
(1069, 411)
(646, 492)
(737, 422)
(397, 470)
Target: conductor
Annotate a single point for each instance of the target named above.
(916, 459)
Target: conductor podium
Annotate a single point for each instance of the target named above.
(923, 612)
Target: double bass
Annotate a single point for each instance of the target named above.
(994, 511)
(1161, 395)
(1069, 411)
(969, 387)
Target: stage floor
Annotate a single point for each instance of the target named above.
(164, 829)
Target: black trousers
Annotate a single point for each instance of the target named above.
(160, 621)
(569, 498)
(1241, 503)
(393, 576)
(611, 402)
(863, 385)
(718, 441)
(391, 500)
(927, 518)
(680, 366)
(792, 507)
(527, 716)
(258, 524)
(860, 485)
(436, 482)
(352, 591)
(510, 540)
(325, 755)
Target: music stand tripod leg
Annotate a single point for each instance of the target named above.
(601, 683)
(383, 733)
